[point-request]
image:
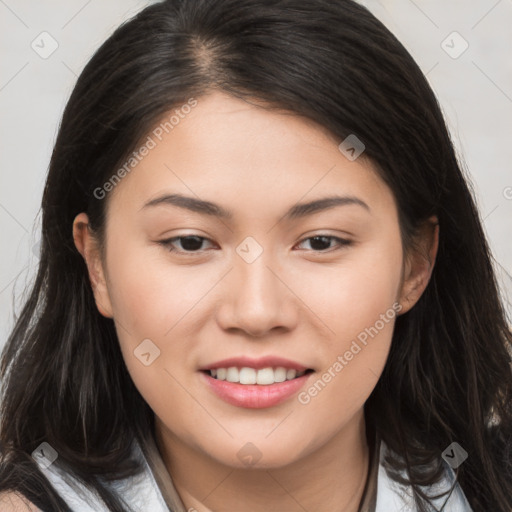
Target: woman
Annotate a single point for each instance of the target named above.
(263, 283)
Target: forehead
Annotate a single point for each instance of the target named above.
(236, 153)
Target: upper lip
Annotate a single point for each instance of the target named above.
(263, 362)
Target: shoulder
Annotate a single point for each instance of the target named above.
(392, 496)
(139, 490)
(16, 502)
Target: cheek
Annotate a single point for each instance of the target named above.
(155, 300)
(350, 296)
(359, 304)
(353, 362)
(149, 295)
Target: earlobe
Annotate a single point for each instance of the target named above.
(419, 264)
(87, 246)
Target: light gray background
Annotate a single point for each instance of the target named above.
(474, 89)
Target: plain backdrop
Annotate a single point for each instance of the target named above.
(463, 48)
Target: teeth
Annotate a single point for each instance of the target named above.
(280, 374)
(263, 376)
(247, 376)
(232, 374)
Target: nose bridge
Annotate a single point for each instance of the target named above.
(259, 300)
(258, 284)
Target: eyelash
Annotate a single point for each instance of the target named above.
(342, 242)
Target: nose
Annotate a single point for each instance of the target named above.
(256, 299)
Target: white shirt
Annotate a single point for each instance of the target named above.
(392, 497)
(142, 493)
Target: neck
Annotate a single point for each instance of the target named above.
(331, 478)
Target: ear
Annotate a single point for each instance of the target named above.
(419, 263)
(88, 247)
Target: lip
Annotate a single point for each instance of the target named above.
(257, 364)
(254, 396)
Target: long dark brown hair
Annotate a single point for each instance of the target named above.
(448, 376)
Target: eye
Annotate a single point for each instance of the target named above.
(319, 242)
(190, 244)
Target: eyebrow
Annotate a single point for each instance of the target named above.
(299, 210)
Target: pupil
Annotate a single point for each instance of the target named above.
(316, 238)
(191, 243)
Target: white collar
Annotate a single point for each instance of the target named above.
(393, 497)
(142, 492)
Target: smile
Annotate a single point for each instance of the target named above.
(262, 376)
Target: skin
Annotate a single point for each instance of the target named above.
(294, 301)
(14, 502)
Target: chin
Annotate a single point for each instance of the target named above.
(258, 454)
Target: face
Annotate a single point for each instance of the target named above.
(308, 294)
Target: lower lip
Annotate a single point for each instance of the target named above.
(255, 396)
